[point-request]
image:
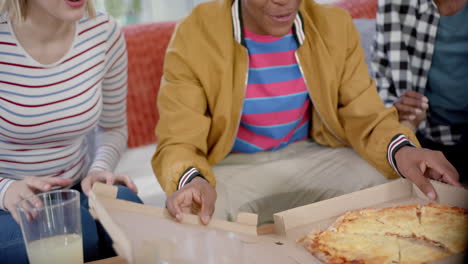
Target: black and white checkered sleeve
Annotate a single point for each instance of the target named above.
(390, 59)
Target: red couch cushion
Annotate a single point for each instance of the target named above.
(359, 8)
(146, 45)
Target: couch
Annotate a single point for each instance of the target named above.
(146, 44)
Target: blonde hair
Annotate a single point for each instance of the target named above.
(16, 9)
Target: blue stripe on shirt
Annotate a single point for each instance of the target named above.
(12, 54)
(281, 45)
(274, 74)
(56, 92)
(276, 131)
(245, 147)
(301, 132)
(91, 58)
(274, 104)
(52, 128)
(90, 38)
(52, 112)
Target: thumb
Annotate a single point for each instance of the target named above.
(86, 185)
(173, 203)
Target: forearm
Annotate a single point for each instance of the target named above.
(110, 144)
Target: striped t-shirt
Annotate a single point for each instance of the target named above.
(276, 108)
(47, 112)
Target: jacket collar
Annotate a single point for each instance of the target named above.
(236, 12)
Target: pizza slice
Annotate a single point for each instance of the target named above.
(404, 220)
(333, 247)
(414, 251)
(445, 226)
(366, 222)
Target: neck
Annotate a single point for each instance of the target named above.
(42, 27)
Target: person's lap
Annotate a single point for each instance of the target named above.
(300, 174)
(96, 243)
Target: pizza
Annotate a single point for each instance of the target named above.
(408, 234)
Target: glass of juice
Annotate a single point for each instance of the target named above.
(51, 227)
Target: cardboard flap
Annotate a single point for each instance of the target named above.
(247, 219)
(104, 190)
(286, 220)
(122, 244)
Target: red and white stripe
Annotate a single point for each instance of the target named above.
(47, 112)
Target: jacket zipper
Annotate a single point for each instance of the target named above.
(312, 100)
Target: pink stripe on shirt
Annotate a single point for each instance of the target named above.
(276, 89)
(265, 142)
(275, 118)
(263, 60)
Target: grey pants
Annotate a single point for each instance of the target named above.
(301, 173)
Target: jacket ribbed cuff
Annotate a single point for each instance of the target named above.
(4, 184)
(396, 144)
(188, 176)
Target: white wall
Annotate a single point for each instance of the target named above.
(163, 10)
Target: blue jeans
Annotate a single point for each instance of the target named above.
(96, 243)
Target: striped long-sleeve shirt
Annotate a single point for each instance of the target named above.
(47, 112)
(276, 108)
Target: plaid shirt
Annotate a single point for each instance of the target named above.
(402, 56)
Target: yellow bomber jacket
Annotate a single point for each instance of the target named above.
(205, 77)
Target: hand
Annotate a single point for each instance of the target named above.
(107, 178)
(418, 165)
(198, 193)
(19, 190)
(412, 107)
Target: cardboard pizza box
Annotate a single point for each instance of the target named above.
(146, 234)
(292, 225)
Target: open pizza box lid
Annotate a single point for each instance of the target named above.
(294, 224)
(146, 234)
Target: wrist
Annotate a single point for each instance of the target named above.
(187, 177)
(199, 179)
(397, 143)
(400, 154)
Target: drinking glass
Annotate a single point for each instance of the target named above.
(51, 227)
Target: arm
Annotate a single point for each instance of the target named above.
(391, 63)
(112, 130)
(180, 162)
(111, 139)
(375, 133)
(181, 101)
(390, 60)
(372, 129)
